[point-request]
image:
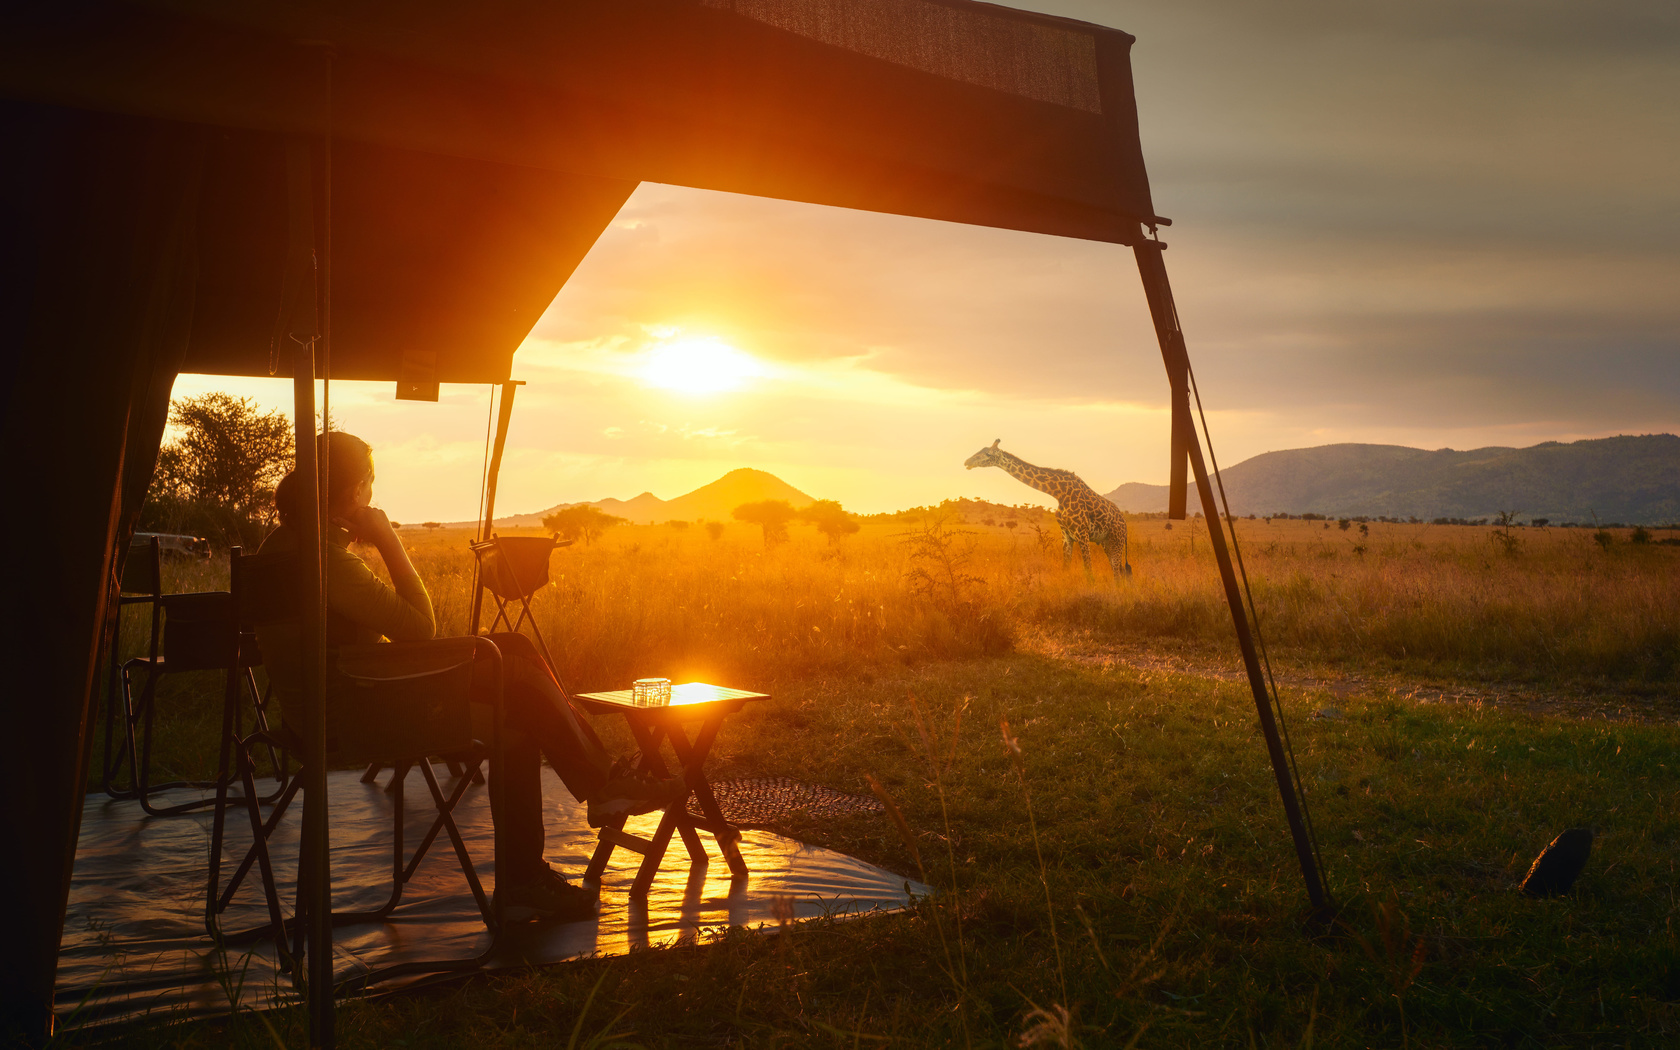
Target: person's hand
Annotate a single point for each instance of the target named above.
(370, 525)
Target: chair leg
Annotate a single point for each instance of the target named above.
(371, 773)
(446, 816)
(259, 845)
(263, 831)
(230, 739)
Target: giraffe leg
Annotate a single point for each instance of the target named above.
(1115, 548)
(1067, 549)
(1085, 556)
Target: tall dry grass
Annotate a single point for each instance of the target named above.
(654, 600)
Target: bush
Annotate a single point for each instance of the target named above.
(217, 477)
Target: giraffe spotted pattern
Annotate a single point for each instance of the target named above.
(1084, 516)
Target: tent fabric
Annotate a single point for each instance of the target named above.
(441, 263)
(135, 945)
(95, 301)
(948, 110)
(478, 151)
(1006, 52)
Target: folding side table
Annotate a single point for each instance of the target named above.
(691, 702)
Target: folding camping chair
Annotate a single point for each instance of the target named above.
(198, 632)
(141, 584)
(397, 704)
(513, 569)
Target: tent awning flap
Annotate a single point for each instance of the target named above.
(435, 258)
(1004, 51)
(1030, 119)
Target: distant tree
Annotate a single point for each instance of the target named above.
(771, 515)
(217, 475)
(581, 520)
(1540, 523)
(677, 524)
(830, 519)
(714, 529)
(1343, 524)
(1640, 535)
(431, 526)
(396, 524)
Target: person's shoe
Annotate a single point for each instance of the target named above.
(547, 898)
(627, 794)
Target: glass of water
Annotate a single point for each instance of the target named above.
(651, 692)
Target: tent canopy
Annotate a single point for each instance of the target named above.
(165, 155)
(480, 149)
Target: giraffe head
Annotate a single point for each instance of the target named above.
(986, 457)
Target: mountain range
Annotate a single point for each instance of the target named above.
(713, 502)
(1635, 480)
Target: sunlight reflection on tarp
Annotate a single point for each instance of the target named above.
(134, 941)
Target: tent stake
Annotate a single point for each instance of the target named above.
(1153, 270)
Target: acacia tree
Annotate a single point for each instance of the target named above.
(771, 515)
(217, 474)
(831, 520)
(580, 520)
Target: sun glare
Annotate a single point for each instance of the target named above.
(698, 365)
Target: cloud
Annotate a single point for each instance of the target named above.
(1436, 223)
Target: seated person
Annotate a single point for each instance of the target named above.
(363, 609)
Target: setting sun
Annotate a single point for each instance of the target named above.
(698, 365)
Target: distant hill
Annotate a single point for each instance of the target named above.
(714, 502)
(1635, 480)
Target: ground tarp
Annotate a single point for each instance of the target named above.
(135, 946)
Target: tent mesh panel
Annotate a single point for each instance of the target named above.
(761, 802)
(1023, 57)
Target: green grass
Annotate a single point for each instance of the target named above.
(1176, 901)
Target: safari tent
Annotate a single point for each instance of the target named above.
(396, 192)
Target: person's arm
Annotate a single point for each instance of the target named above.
(401, 612)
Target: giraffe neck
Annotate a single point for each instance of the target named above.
(1041, 478)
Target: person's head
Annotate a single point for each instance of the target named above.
(349, 464)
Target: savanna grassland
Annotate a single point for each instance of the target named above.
(1124, 878)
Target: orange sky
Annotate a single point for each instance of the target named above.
(1442, 229)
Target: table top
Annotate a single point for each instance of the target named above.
(686, 695)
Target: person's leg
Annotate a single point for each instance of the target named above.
(516, 780)
(537, 708)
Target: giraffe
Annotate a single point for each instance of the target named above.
(1084, 516)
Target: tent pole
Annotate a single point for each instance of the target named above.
(502, 420)
(495, 471)
(313, 872)
(1153, 270)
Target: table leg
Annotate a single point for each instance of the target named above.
(647, 732)
(693, 759)
(603, 851)
(654, 855)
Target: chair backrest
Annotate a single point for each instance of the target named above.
(515, 567)
(265, 587)
(386, 703)
(142, 568)
(200, 631)
(401, 700)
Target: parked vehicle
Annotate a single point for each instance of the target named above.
(175, 544)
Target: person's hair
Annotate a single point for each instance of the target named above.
(349, 462)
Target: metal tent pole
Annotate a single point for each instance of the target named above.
(314, 876)
(1153, 270)
(492, 473)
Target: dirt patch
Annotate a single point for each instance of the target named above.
(1304, 687)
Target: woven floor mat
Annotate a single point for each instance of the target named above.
(759, 802)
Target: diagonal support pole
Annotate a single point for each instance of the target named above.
(1153, 270)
